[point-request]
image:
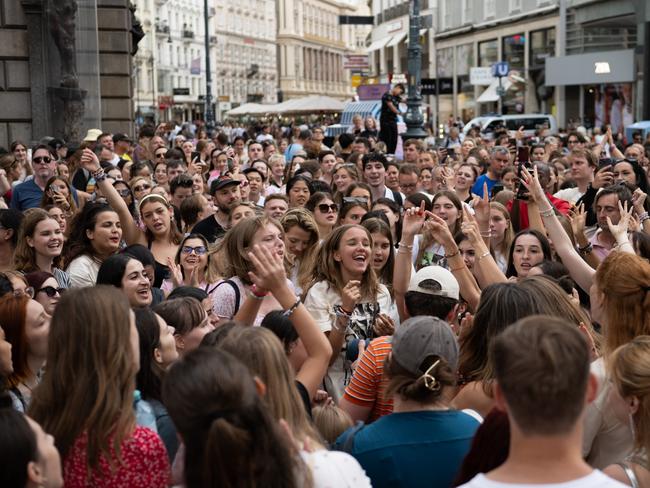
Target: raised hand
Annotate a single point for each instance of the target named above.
(619, 231)
(638, 200)
(413, 220)
(481, 206)
(90, 161)
(578, 219)
(269, 274)
(383, 325)
(175, 272)
(439, 229)
(350, 295)
(531, 182)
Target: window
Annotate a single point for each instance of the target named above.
(465, 12)
(514, 48)
(447, 7)
(488, 53)
(490, 8)
(515, 6)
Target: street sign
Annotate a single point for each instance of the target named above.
(480, 76)
(356, 61)
(398, 78)
(500, 69)
(181, 91)
(356, 19)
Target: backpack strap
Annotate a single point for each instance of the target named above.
(235, 288)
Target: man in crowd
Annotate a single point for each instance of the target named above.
(388, 117)
(409, 175)
(374, 172)
(225, 193)
(180, 188)
(29, 194)
(276, 205)
(583, 166)
(412, 150)
(255, 186)
(544, 384)
(500, 157)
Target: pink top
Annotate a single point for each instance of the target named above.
(144, 464)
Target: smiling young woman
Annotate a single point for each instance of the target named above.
(346, 299)
(40, 243)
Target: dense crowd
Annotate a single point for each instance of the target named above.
(271, 307)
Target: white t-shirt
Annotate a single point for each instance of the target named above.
(597, 479)
(333, 469)
(320, 301)
(571, 195)
(83, 271)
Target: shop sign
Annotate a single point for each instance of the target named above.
(480, 76)
(181, 91)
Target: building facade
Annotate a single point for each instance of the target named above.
(312, 45)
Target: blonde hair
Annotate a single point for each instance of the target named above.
(262, 352)
(508, 235)
(331, 421)
(305, 220)
(630, 372)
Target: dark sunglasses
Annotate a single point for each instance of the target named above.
(50, 291)
(141, 188)
(124, 193)
(324, 207)
(42, 159)
(198, 250)
(161, 155)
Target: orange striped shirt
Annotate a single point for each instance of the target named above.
(368, 385)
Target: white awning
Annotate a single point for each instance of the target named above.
(423, 31)
(490, 94)
(379, 43)
(397, 39)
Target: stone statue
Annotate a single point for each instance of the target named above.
(62, 18)
(62, 26)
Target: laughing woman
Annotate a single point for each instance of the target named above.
(301, 241)
(40, 242)
(127, 273)
(190, 265)
(95, 234)
(160, 233)
(346, 299)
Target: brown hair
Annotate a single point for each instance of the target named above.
(236, 243)
(403, 383)
(542, 368)
(25, 255)
(329, 270)
(184, 313)
(623, 279)
(48, 200)
(427, 238)
(13, 311)
(89, 381)
(305, 220)
(509, 234)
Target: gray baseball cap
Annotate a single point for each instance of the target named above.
(420, 337)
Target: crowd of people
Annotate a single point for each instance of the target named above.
(276, 308)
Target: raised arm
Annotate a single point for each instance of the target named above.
(270, 275)
(580, 271)
(411, 226)
(132, 234)
(488, 271)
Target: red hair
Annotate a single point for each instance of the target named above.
(13, 310)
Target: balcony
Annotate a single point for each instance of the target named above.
(162, 28)
(188, 34)
(213, 40)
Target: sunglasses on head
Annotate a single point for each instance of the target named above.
(50, 291)
(361, 200)
(42, 159)
(324, 207)
(198, 250)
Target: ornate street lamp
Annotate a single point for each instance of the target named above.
(413, 118)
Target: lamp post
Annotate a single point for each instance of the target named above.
(209, 114)
(413, 118)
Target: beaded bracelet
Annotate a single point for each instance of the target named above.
(547, 213)
(289, 311)
(484, 255)
(99, 175)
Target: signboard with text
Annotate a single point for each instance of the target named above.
(480, 76)
(372, 92)
(356, 61)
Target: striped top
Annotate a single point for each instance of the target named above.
(368, 385)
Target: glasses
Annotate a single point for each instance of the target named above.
(411, 185)
(42, 160)
(124, 193)
(50, 291)
(142, 188)
(198, 250)
(573, 141)
(29, 291)
(161, 155)
(325, 208)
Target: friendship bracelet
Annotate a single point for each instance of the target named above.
(99, 175)
(289, 311)
(456, 253)
(401, 250)
(547, 213)
(586, 250)
(484, 255)
(405, 246)
(256, 297)
(256, 293)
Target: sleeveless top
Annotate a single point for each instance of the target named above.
(161, 271)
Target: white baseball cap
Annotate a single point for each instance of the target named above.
(435, 280)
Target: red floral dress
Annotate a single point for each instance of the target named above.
(144, 464)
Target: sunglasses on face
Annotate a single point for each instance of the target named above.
(50, 291)
(142, 188)
(42, 160)
(198, 250)
(124, 193)
(29, 291)
(324, 207)
(161, 155)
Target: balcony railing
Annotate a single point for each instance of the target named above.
(213, 39)
(188, 34)
(162, 28)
